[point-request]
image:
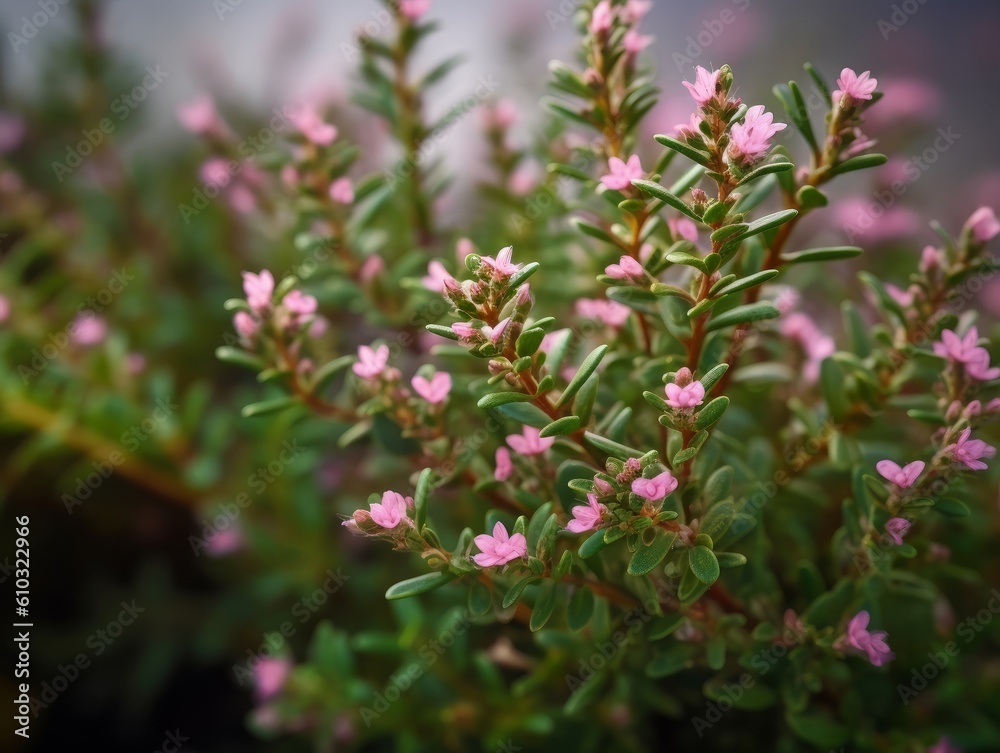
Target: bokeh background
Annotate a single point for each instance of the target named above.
(131, 540)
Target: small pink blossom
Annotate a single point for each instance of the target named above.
(690, 129)
(299, 304)
(635, 10)
(686, 396)
(258, 289)
(88, 329)
(391, 511)
(683, 228)
(289, 176)
(853, 88)
(223, 543)
(970, 451)
(495, 334)
(215, 172)
(500, 548)
(817, 346)
(966, 351)
(978, 366)
(587, 517)
(241, 198)
(269, 676)
(198, 115)
(370, 269)
(371, 363)
(896, 529)
(504, 466)
(704, 86)
(929, 259)
(983, 225)
(502, 266)
(12, 130)
(464, 247)
(529, 442)
(4, 309)
(600, 20)
(311, 125)
(501, 115)
(465, 331)
(436, 276)
(606, 311)
(622, 173)
(656, 488)
(944, 745)
(342, 191)
(245, 325)
(871, 644)
(903, 297)
(434, 390)
(414, 9)
(626, 269)
(634, 42)
(903, 477)
(751, 139)
(993, 406)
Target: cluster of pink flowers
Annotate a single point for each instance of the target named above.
(294, 310)
(685, 393)
(311, 125)
(965, 352)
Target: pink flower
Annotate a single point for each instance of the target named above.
(245, 325)
(436, 277)
(223, 543)
(198, 115)
(258, 289)
(635, 10)
(215, 172)
(872, 644)
(901, 477)
(269, 676)
(289, 176)
(495, 334)
(853, 88)
(529, 442)
(434, 390)
(504, 465)
(4, 309)
(622, 174)
(903, 297)
(371, 363)
(465, 331)
(686, 396)
(983, 225)
(502, 266)
(414, 9)
(929, 259)
(311, 125)
(656, 488)
(965, 350)
(704, 86)
(299, 304)
(751, 139)
(500, 116)
(683, 228)
(944, 745)
(896, 528)
(606, 311)
(12, 130)
(690, 129)
(978, 366)
(500, 548)
(993, 406)
(342, 191)
(817, 346)
(626, 269)
(634, 42)
(371, 268)
(970, 451)
(88, 329)
(391, 511)
(587, 517)
(600, 20)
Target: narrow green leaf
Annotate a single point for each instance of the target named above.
(594, 543)
(419, 585)
(695, 155)
(580, 609)
(590, 363)
(747, 282)
(503, 398)
(831, 253)
(593, 231)
(730, 559)
(810, 197)
(659, 192)
(420, 498)
(561, 426)
(711, 413)
(861, 162)
(545, 605)
(265, 407)
(752, 312)
(766, 169)
(713, 375)
(614, 449)
(240, 357)
(516, 590)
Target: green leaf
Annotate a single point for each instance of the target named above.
(819, 730)
(614, 449)
(580, 608)
(593, 231)
(545, 604)
(564, 425)
(516, 590)
(480, 599)
(704, 564)
(646, 558)
(590, 363)
(673, 660)
(659, 192)
(688, 260)
(820, 83)
(767, 169)
(583, 405)
(663, 289)
(696, 155)
(831, 253)
(268, 406)
(661, 627)
(330, 369)
(831, 379)
(420, 498)
(525, 413)
(419, 585)
(860, 162)
(711, 413)
(522, 275)
(951, 507)
(718, 519)
(730, 559)
(503, 398)
(810, 197)
(656, 401)
(766, 223)
(240, 357)
(797, 112)
(594, 543)
(746, 282)
(529, 341)
(713, 375)
(586, 694)
(751, 312)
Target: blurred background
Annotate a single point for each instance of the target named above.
(139, 540)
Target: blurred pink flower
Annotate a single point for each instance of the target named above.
(215, 171)
(414, 9)
(944, 745)
(436, 276)
(683, 228)
(299, 305)
(270, 676)
(500, 548)
(12, 130)
(371, 268)
(135, 363)
(634, 42)
(635, 10)
(586, 517)
(312, 126)
(606, 311)
(983, 225)
(504, 466)
(371, 363)
(601, 18)
(258, 289)
(223, 543)
(529, 442)
(902, 477)
(621, 174)
(88, 329)
(434, 390)
(4, 309)
(966, 351)
(871, 644)
(970, 451)
(896, 528)
(199, 115)
(342, 191)
(245, 325)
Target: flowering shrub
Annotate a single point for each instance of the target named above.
(633, 477)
